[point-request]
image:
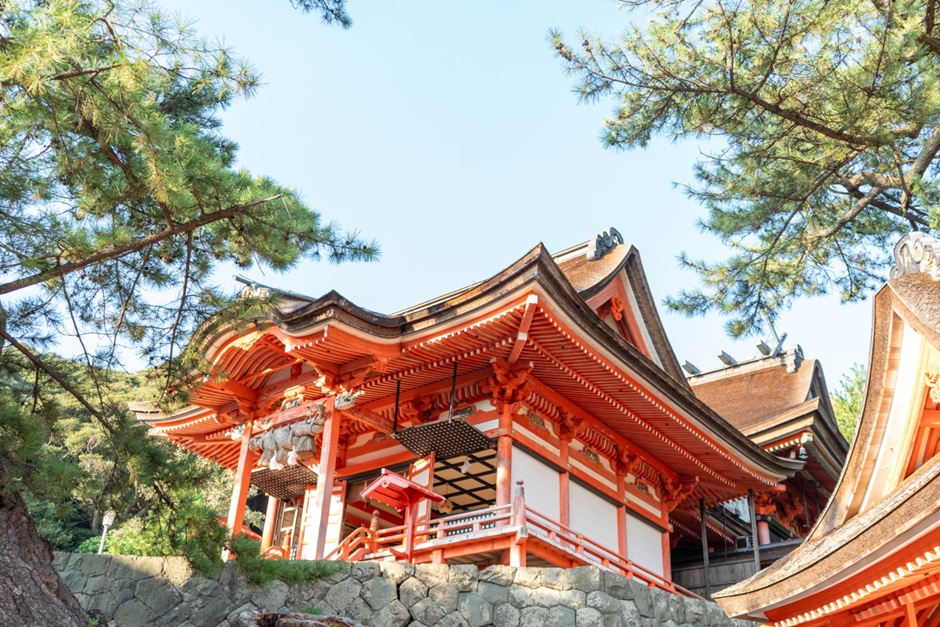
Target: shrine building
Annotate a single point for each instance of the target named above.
(538, 417)
(780, 401)
(873, 558)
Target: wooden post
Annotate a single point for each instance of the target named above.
(911, 614)
(504, 459)
(236, 510)
(622, 517)
(763, 532)
(708, 585)
(320, 514)
(754, 538)
(517, 549)
(564, 483)
(410, 514)
(374, 532)
(270, 519)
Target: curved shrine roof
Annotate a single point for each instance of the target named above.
(577, 360)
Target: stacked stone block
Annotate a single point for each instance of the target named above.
(149, 591)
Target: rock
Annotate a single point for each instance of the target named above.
(412, 591)
(158, 595)
(207, 614)
(505, 615)
(397, 571)
(133, 613)
(432, 575)
(272, 596)
(617, 586)
(492, 592)
(364, 571)
(560, 616)
(500, 575)
(74, 580)
(590, 617)
(379, 592)
(555, 578)
(359, 610)
(534, 617)
(343, 594)
(603, 602)
(392, 615)
(475, 609)
(176, 570)
(641, 597)
(464, 576)
(445, 596)
(427, 611)
(575, 599)
(454, 619)
(631, 616)
(586, 578)
(528, 577)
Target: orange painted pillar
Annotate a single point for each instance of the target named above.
(763, 531)
(236, 510)
(320, 510)
(564, 482)
(517, 551)
(622, 517)
(270, 518)
(504, 459)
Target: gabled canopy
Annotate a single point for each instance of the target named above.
(541, 314)
(875, 550)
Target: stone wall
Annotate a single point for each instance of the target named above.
(149, 591)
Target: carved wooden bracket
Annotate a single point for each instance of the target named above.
(672, 492)
(626, 462)
(417, 410)
(764, 504)
(568, 426)
(510, 387)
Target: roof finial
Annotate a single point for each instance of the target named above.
(916, 252)
(603, 243)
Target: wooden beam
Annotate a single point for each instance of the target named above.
(754, 538)
(236, 510)
(522, 335)
(930, 419)
(374, 420)
(429, 390)
(270, 518)
(590, 421)
(320, 513)
(240, 390)
(701, 513)
(504, 460)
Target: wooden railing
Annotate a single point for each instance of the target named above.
(374, 543)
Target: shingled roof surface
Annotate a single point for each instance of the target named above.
(747, 399)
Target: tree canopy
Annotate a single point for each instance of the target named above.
(825, 115)
(119, 197)
(848, 401)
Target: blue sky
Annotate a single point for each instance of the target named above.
(448, 131)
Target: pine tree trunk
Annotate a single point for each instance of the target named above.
(31, 591)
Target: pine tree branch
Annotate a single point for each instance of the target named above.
(114, 251)
(54, 374)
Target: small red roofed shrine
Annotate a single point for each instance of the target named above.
(538, 417)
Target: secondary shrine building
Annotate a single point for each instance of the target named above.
(873, 558)
(538, 417)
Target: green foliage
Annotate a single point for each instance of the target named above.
(119, 196)
(331, 11)
(261, 571)
(827, 115)
(848, 401)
